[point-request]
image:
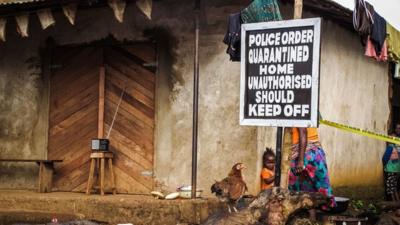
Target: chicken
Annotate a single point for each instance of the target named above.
(231, 188)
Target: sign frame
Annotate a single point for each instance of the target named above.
(313, 121)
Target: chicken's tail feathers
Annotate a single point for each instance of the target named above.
(216, 188)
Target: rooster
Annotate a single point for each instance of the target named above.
(231, 188)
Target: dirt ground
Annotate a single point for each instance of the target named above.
(33, 207)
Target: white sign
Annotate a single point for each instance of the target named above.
(279, 83)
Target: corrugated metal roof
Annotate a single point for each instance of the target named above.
(11, 2)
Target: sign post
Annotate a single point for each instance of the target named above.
(280, 75)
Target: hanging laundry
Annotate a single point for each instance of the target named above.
(261, 11)
(22, 24)
(70, 12)
(145, 6)
(378, 32)
(371, 52)
(363, 19)
(393, 41)
(118, 6)
(46, 18)
(3, 22)
(257, 11)
(232, 37)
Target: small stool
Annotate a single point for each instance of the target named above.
(101, 156)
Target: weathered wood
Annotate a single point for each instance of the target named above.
(64, 126)
(60, 144)
(125, 66)
(81, 83)
(103, 158)
(133, 63)
(110, 167)
(136, 112)
(147, 52)
(91, 174)
(134, 171)
(68, 181)
(102, 84)
(73, 113)
(298, 9)
(124, 182)
(46, 170)
(131, 132)
(132, 137)
(146, 127)
(70, 107)
(63, 150)
(102, 176)
(68, 169)
(272, 207)
(131, 129)
(31, 160)
(101, 155)
(131, 100)
(74, 117)
(130, 87)
(131, 150)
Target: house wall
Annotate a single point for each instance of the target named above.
(222, 142)
(353, 91)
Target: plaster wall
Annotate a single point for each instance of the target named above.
(354, 90)
(222, 142)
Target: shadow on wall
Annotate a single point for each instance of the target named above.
(166, 47)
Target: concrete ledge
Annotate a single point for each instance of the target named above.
(135, 209)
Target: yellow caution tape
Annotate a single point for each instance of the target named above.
(362, 132)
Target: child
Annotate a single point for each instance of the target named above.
(268, 170)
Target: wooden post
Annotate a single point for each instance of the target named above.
(284, 165)
(45, 176)
(298, 9)
(287, 134)
(102, 176)
(91, 174)
(100, 132)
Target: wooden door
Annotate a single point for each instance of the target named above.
(74, 113)
(132, 134)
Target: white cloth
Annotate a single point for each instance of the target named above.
(118, 6)
(46, 18)
(22, 24)
(70, 12)
(145, 6)
(3, 22)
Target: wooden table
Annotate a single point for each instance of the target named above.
(46, 171)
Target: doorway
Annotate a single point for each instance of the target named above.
(74, 107)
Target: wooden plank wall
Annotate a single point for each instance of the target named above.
(132, 135)
(74, 113)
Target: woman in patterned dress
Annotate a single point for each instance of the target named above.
(309, 171)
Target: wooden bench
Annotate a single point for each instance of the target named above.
(46, 171)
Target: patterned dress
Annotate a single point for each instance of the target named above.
(315, 177)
